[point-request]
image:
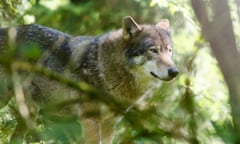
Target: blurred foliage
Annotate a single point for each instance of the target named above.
(12, 11)
(193, 108)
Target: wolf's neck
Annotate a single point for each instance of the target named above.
(113, 68)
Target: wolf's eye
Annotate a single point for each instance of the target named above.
(153, 50)
(169, 49)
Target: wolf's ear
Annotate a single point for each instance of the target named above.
(164, 24)
(130, 27)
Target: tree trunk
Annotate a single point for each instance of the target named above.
(219, 33)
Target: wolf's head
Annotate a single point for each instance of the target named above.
(148, 50)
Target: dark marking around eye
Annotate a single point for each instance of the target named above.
(148, 43)
(139, 48)
(154, 50)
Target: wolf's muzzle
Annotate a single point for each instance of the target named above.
(173, 72)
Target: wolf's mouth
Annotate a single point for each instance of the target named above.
(164, 79)
(154, 75)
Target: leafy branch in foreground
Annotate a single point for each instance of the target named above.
(149, 118)
(116, 104)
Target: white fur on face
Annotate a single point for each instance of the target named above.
(149, 70)
(154, 68)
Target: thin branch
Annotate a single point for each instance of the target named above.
(116, 104)
(20, 98)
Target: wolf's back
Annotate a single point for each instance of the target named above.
(46, 38)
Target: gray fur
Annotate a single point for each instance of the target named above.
(116, 62)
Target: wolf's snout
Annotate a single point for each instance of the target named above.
(173, 72)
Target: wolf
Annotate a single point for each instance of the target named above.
(124, 63)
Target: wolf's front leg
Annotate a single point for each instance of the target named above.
(99, 131)
(91, 130)
(107, 129)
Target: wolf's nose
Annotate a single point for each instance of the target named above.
(172, 72)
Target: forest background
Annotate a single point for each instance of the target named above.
(200, 106)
